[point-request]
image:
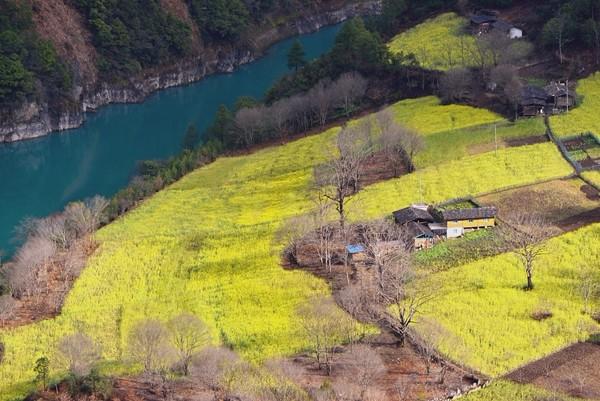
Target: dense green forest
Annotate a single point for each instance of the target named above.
(133, 34)
(24, 57)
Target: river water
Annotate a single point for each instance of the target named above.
(38, 177)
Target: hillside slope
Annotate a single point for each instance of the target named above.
(120, 55)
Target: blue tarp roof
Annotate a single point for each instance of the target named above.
(355, 248)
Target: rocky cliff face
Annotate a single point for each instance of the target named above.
(34, 120)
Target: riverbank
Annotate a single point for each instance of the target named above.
(34, 120)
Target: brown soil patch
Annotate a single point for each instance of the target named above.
(508, 143)
(53, 283)
(407, 376)
(59, 22)
(573, 370)
(378, 168)
(580, 220)
(563, 202)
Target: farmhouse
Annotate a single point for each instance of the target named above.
(554, 98)
(459, 221)
(485, 23)
(427, 224)
(560, 96)
(534, 101)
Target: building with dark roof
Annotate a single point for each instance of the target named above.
(414, 213)
(459, 221)
(534, 100)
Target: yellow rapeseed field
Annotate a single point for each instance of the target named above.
(484, 315)
(584, 117)
(207, 245)
(439, 43)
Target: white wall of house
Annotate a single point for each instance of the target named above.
(455, 232)
(515, 33)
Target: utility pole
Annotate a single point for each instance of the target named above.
(567, 95)
(496, 138)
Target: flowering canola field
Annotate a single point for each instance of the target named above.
(485, 314)
(440, 43)
(207, 245)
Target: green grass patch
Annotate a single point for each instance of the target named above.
(439, 43)
(485, 314)
(451, 253)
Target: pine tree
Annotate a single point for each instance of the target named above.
(190, 139)
(296, 56)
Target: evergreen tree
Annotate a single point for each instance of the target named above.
(296, 56)
(191, 138)
(221, 125)
(42, 370)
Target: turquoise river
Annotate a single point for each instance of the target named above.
(38, 177)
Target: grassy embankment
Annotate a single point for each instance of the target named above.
(207, 245)
(440, 43)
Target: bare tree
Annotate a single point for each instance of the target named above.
(280, 113)
(22, 274)
(80, 353)
(84, 218)
(525, 235)
(148, 345)
(294, 233)
(365, 367)
(385, 243)
(325, 233)
(7, 308)
(248, 122)
(398, 300)
(455, 85)
(322, 100)
(350, 87)
(212, 364)
(398, 143)
(338, 180)
(188, 335)
(321, 320)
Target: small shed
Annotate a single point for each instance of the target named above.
(560, 95)
(534, 100)
(422, 236)
(480, 19)
(356, 253)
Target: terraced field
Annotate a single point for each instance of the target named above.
(485, 315)
(439, 43)
(208, 245)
